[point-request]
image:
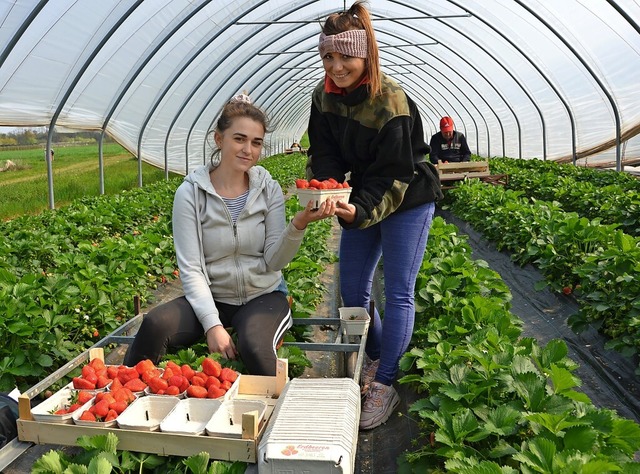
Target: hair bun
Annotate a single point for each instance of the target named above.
(242, 97)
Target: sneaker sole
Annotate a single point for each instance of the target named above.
(385, 417)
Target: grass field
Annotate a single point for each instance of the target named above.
(24, 189)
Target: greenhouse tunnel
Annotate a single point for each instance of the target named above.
(521, 79)
(552, 80)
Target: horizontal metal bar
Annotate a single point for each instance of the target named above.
(306, 22)
(324, 347)
(312, 321)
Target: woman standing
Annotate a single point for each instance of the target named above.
(231, 242)
(363, 123)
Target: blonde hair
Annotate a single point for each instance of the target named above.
(358, 18)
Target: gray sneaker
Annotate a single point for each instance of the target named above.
(378, 405)
(368, 373)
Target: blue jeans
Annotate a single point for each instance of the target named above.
(401, 240)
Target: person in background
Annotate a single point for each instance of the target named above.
(448, 145)
(231, 240)
(363, 123)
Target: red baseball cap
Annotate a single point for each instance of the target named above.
(446, 124)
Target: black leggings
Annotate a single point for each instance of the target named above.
(260, 325)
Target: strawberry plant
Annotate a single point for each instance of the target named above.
(100, 454)
(494, 401)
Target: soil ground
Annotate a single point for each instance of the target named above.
(608, 378)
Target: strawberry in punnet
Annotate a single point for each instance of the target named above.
(89, 373)
(125, 374)
(215, 392)
(167, 374)
(196, 391)
(100, 409)
(175, 368)
(172, 390)
(118, 407)
(211, 367)
(302, 183)
(111, 415)
(158, 384)
(228, 374)
(136, 385)
(88, 416)
(112, 371)
(103, 381)
(197, 380)
(83, 384)
(144, 365)
(116, 385)
(212, 381)
(84, 396)
(187, 371)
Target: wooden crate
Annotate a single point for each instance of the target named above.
(452, 172)
(252, 387)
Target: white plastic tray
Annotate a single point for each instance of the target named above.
(190, 416)
(146, 413)
(227, 420)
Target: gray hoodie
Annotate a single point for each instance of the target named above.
(231, 263)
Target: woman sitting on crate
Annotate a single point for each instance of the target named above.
(231, 241)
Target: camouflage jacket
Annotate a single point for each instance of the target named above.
(380, 142)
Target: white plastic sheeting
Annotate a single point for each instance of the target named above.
(548, 79)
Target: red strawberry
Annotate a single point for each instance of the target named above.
(144, 365)
(135, 385)
(302, 183)
(74, 407)
(196, 391)
(118, 407)
(172, 390)
(187, 371)
(102, 381)
(176, 380)
(88, 416)
(82, 383)
(100, 409)
(84, 396)
(157, 384)
(97, 364)
(111, 415)
(228, 374)
(211, 367)
(215, 392)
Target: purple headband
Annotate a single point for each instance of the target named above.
(350, 43)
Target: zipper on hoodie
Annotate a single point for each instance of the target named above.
(239, 274)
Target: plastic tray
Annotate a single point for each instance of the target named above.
(318, 196)
(146, 413)
(62, 398)
(190, 416)
(97, 424)
(227, 420)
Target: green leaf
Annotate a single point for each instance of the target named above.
(197, 463)
(538, 454)
(99, 465)
(49, 463)
(503, 420)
